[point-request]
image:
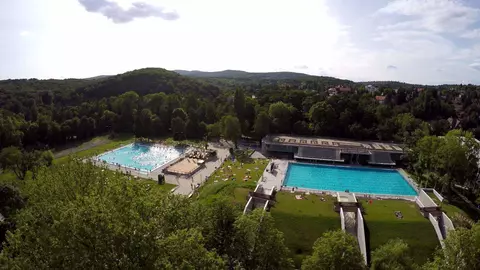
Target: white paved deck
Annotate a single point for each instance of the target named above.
(269, 179)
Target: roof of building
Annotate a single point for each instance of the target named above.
(380, 98)
(345, 145)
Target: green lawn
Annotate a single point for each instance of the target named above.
(381, 225)
(96, 150)
(237, 188)
(303, 221)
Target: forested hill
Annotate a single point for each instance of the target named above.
(230, 79)
(238, 74)
(147, 81)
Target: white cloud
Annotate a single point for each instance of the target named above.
(24, 33)
(471, 34)
(434, 15)
(475, 66)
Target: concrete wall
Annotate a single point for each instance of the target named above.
(342, 219)
(438, 195)
(448, 223)
(425, 199)
(248, 206)
(361, 235)
(436, 226)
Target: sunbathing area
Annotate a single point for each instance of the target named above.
(390, 219)
(185, 166)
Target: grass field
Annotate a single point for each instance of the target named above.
(303, 221)
(237, 188)
(381, 225)
(95, 149)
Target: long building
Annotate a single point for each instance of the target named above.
(333, 150)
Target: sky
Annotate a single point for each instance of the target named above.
(416, 41)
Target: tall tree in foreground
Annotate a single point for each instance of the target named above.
(259, 244)
(81, 217)
(394, 255)
(335, 250)
(461, 251)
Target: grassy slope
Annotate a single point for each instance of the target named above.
(303, 221)
(239, 188)
(382, 225)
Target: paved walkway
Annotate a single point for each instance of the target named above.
(185, 185)
(257, 155)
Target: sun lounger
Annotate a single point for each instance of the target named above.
(298, 197)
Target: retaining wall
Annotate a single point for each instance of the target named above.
(448, 223)
(361, 235)
(436, 226)
(342, 219)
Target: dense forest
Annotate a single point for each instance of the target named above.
(41, 116)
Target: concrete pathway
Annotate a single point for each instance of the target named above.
(257, 155)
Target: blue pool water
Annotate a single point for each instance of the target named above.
(144, 157)
(339, 178)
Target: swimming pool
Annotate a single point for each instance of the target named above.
(353, 179)
(144, 157)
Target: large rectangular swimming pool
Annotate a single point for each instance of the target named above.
(143, 157)
(353, 179)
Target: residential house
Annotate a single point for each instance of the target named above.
(339, 89)
(380, 99)
(370, 88)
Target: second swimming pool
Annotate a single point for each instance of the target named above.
(143, 157)
(353, 179)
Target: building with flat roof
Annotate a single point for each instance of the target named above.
(334, 150)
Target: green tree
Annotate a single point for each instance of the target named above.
(239, 104)
(335, 250)
(281, 115)
(180, 113)
(178, 128)
(395, 255)
(11, 158)
(231, 129)
(214, 130)
(262, 125)
(80, 216)
(259, 244)
(461, 251)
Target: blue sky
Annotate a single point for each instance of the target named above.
(419, 41)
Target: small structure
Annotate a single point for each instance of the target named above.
(260, 198)
(339, 89)
(429, 209)
(380, 99)
(351, 219)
